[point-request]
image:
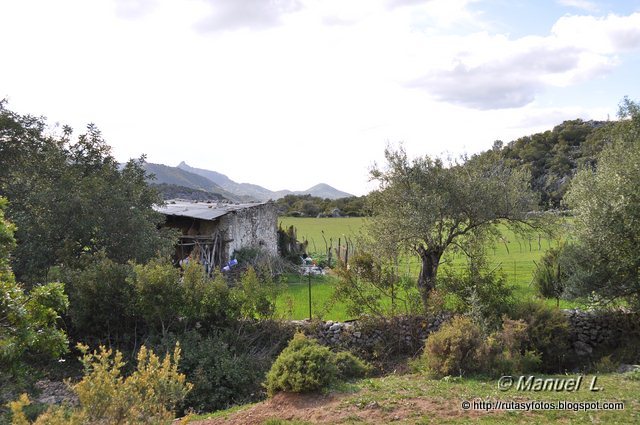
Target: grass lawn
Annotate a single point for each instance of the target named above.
(294, 302)
(514, 255)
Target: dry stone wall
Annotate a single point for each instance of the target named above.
(375, 337)
(596, 332)
(592, 333)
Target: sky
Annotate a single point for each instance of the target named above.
(290, 93)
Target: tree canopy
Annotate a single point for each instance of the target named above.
(69, 196)
(605, 259)
(428, 207)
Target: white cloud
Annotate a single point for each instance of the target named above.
(585, 5)
(248, 14)
(608, 35)
(134, 9)
(492, 71)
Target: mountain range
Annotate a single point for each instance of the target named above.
(187, 181)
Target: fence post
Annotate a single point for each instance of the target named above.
(309, 274)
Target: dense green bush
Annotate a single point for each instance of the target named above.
(206, 300)
(455, 349)
(350, 366)
(159, 294)
(28, 319)
(548, 333)
(222, 373)
(102, 298)
(304, 366)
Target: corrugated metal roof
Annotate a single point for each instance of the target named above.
(200, 210)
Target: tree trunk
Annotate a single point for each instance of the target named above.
(430, 259)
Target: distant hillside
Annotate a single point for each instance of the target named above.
(171, 191)
(248, 190)
(554, 156)
(260, 193)
(323, 190)
(174, 176)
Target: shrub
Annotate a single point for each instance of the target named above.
(28, 320)
(147, 396)
(255, 296)
(350, 366)
(484, 294)
(206, 301)
(606, 365)
(460, 347)
(455, 349)
(504, 351)
(102, 298)
(549, 278)
(548, 333)
(304, 366)
(221, 373)
(159, 294)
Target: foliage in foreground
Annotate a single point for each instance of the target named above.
(225, 367)
(147, 396)
(306, 366)
(28, 321)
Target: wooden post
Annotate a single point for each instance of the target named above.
(346, 255)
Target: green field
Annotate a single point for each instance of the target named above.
(514, 255)
(313, 230)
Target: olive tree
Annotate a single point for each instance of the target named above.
(428, 207)
(605, 260)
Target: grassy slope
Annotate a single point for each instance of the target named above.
(416, 399)
(515, 256)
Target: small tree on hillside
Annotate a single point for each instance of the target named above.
(428, 207)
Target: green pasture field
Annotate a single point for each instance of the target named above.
(313, 230)
(514, 255)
